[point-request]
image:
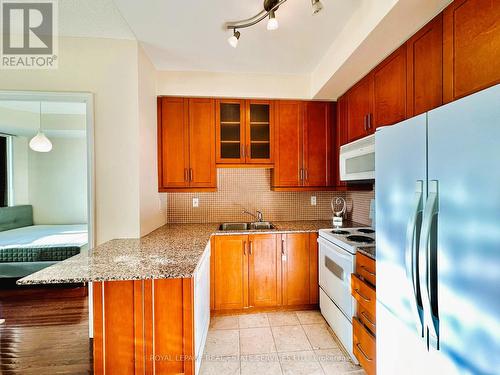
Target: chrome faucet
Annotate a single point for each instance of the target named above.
(259, 217)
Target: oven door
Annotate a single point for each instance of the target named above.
(335, 268)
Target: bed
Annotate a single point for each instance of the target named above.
(26, 248)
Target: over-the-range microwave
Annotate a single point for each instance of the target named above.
(357, 160)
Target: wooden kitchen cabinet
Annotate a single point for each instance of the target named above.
(339, 139)
(230, 272)
(389, 91)
(264, 271)
(186, 144)
(424, 68)
(471, 47)
(364, 322)
(302, 145)
(300, 263)
(244, 132)
(360, 109)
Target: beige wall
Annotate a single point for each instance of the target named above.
(20, 172)
(108, 69)
(152, 204)
(236, 85)
(58, 182)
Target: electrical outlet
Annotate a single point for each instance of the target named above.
(196, 202)
(313, 200)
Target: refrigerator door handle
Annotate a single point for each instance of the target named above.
(431, 210)
(411, 252)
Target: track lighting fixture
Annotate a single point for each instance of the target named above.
(269, 11)
(233, 39)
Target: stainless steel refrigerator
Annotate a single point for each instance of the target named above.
(438, 240)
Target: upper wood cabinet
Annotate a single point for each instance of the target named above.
(389, 90)
(471, 47)
(186, 144)
(360, 109)
(424, 68)
(302, 144)
(339, 138)
(244, 131)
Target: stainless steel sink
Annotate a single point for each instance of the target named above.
(261, 225)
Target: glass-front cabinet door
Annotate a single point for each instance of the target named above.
(258, 132)
(230, 131)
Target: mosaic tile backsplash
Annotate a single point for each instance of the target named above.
(250, 189)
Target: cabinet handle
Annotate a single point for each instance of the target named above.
(306, 174)
(282, 247)
(190, 174)
(242, 152)
(362, 296)
(248, 152)
(369, 121)
(363, 352)
(367, 318)
(245, 248)
(367, 271)
(250, 246)
(365, 126)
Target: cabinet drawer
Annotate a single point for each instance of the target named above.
(367, 319)
(364, 294)
(365, 267)
(364, 347)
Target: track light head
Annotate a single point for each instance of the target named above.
(233, 39)
(272, 22)
(316, 6)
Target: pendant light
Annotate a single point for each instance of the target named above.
(233, 39)
(40, 143)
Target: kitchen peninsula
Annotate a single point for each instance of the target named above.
(152, 297)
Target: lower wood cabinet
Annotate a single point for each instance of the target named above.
(264, 270)
(364, 322)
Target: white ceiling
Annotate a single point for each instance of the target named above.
(59, 119)
(189, 35)
(92, 18)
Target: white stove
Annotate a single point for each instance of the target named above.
(337, 261)
(350, 239)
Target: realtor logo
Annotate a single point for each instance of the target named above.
(29, 34)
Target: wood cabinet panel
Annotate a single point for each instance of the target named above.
(288, 144)
(202, 172)
(173, 145)
(264, 271)
(471, 47)
(424, 58)
(364, 294)
(313, 269)
(389, 90)
(339, 139)
(364, 347)
(359, 108)
(366, 268)
(317, 144)
(142, 320)
(231, 272)
(296, 271)
(230, 131)
(259, 131)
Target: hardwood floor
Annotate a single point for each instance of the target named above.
(45, 331)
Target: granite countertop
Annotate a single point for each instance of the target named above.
(172, 251)
(369, 251)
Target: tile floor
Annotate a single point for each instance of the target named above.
(288, 343)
